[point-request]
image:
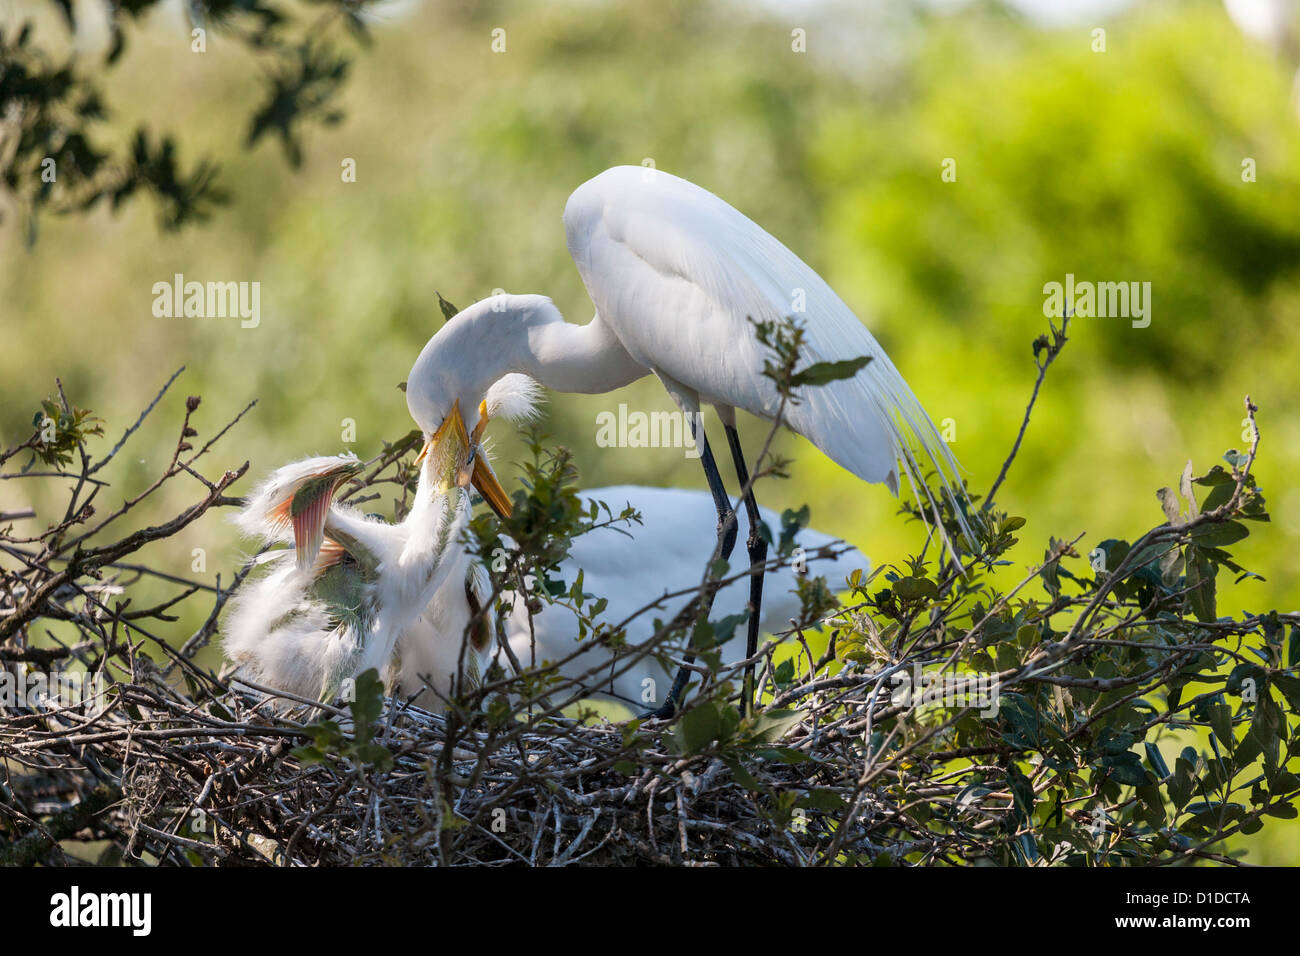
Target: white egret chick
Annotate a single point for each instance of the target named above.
(354, 585)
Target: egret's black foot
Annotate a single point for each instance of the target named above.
(662, 713)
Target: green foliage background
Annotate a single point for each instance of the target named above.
(1123, 165)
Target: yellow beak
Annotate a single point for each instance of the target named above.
(488, 486)
(474, 468)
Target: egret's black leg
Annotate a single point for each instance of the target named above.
(727, 530)
(757, 546)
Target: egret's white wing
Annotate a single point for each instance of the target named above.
(677, 273)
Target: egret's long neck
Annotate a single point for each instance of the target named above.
(528, 335)
(573, 358)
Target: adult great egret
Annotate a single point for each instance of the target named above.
(677, 277)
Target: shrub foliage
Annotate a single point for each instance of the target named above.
(1100, 710)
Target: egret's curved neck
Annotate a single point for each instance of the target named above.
(576, 358)
(540, 344)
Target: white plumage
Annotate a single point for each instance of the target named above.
(307, 629)
(286, 636)
(678, 277)
(1277, 24)
(357, 588)
(661, 556)
(679, 274)
(675, 274)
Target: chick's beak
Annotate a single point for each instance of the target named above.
(452, 427)
(474, 469)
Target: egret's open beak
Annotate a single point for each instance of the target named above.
(473, 467)
(485, 480)
(483, 477)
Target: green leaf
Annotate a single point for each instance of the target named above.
(1215, 476)
(1021, 715)
(1008, 657)
(699, 727)
(783, 755)
(1151, 808)
(1201, 573)
(1157, 760)
(308, 754)
(771, 725)
(738, 771)
(376, 755)
(369, 700)
(1220, 716)
(1265, 727)
(823, 373)
(449, 311)
(1288, 685)
(1113, 552)
(915, 589)
(1219, 535)
(1283, 781)
(1184, 778)
(1219, 495)
(449, 819)
(1243, 672)
(792, 522)
(827, 800)
(1022, 794)
(1126, 768)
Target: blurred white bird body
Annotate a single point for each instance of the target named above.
(1268, 21)
(1275, 23)
(661, 556)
